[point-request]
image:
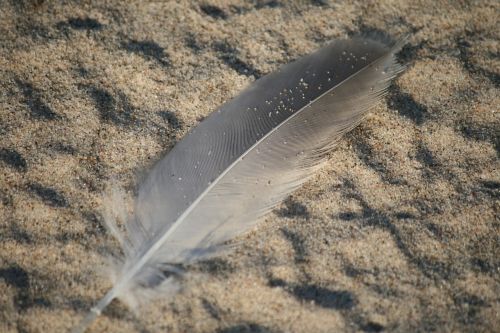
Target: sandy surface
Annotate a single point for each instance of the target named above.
(400, 232)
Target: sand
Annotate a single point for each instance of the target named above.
(399, 232)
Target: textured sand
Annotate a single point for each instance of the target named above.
(400, 232)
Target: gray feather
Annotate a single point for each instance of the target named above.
(244, 159)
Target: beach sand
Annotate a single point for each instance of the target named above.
(399, 232)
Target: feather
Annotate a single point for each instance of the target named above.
(242, 161)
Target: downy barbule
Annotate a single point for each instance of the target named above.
(241, 161)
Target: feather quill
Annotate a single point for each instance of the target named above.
(242, 161)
